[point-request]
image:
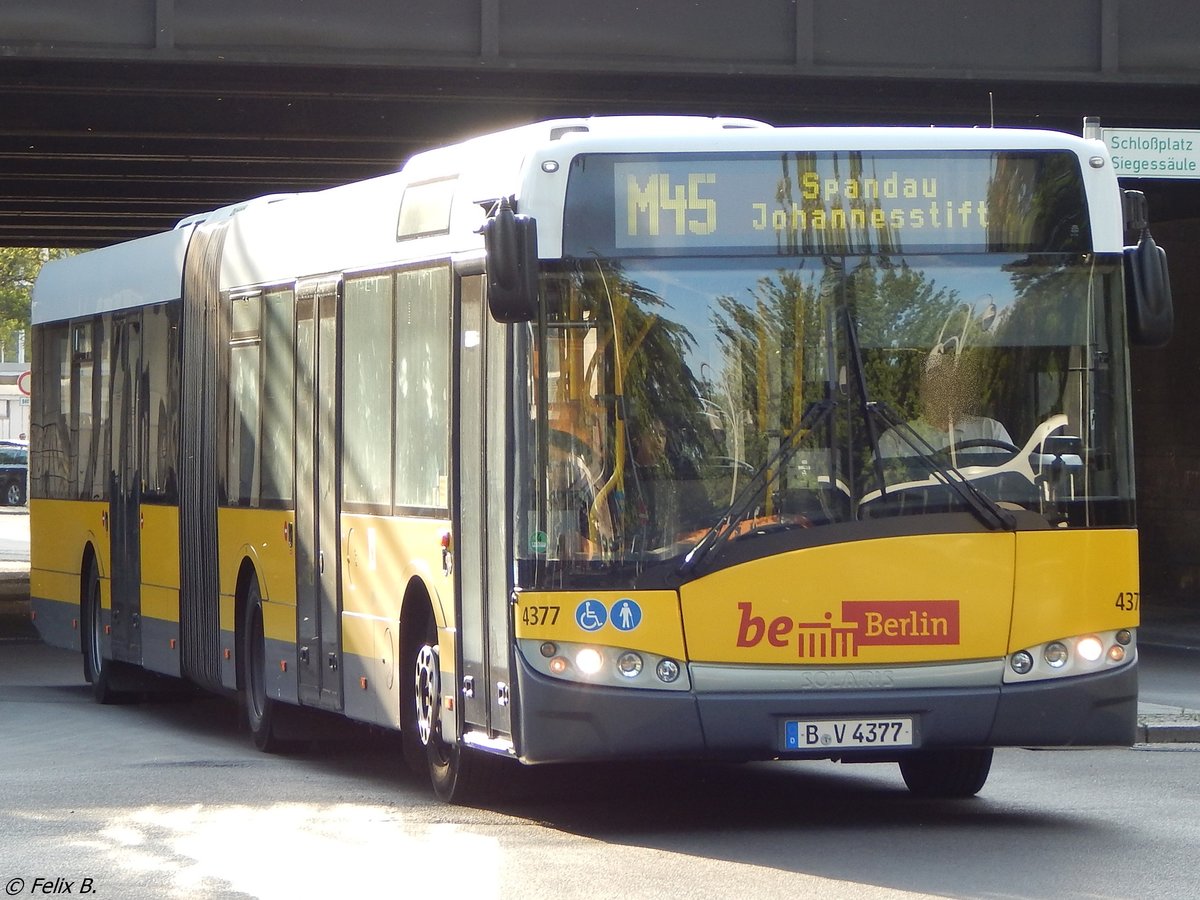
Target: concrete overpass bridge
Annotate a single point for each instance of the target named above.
(120, 117)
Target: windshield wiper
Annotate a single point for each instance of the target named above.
(765, 473)
(985, 508)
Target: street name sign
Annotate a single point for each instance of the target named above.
(1153, 152)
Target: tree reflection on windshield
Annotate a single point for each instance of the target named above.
(666, 385)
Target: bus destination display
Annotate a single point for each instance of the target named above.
(825, 202)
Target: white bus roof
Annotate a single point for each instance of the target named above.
(277, 238)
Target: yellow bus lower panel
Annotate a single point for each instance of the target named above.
(160, 629)
(371, 686)
(60, 535)
(889, 601)
(911, 627)
(60, 531)
(57, 622)
(257, 540)
(1073, 582)
(382, 558)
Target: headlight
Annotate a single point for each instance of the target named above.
(667, 670)
(590, 660)
(1082, 654)
(1055, 655)
(1090, 648)
(629, 664)
(594, 664)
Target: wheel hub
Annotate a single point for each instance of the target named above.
(428, 679)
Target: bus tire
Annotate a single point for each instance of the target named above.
(262, 712)
(457, 774)
(946, 774)
(101, 673)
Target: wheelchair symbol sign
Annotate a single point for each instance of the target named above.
(590, 615)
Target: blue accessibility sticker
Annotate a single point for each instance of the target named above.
(626, 614)
(590, 615)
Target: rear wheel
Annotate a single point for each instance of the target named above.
(100, 672)
(946, 773)
(262, 711)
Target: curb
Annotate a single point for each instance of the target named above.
(1167, 725)
(1148, 733)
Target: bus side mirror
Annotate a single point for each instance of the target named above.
(510, 242)
(1147, 281)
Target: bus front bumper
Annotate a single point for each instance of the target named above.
(562, 721)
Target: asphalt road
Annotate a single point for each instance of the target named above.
(14, 534)
(169, 799)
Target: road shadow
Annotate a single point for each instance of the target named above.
(852, 824)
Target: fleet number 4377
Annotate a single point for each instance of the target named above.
(539, 615)
(1128, 600)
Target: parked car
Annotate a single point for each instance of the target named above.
(14, 472)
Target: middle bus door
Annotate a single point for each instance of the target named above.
(481, 529)
(125, 487)
(318, 606)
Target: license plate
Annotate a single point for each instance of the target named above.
(841, 734)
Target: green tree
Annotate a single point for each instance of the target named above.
(19, 268)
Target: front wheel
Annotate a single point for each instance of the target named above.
(947, 774)
(457, 774)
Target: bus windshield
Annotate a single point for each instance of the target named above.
(681, 399)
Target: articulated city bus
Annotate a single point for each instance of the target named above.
(619, 438)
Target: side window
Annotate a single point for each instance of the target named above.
(86, 396)
(126, 401)
(160, 351)
(367, 390)
(423, 387)
(278, 396)
(245, 345)
(425, 208)
(50, 464)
